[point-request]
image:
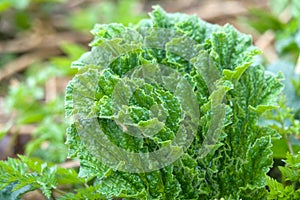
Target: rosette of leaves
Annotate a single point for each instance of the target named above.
(228, 157)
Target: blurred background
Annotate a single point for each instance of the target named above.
(40, 38)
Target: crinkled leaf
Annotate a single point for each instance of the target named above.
(125, 95)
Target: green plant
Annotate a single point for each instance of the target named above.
(289, 188)
(19, 176)
(278, 6)
(171, 75)
(27, 100)
(285, 119)
(284, 22)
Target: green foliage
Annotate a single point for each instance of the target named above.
(290, 186)
(5, 4)
(237, 160)
(288, 41)
(296, 85)
(8, 193)
(287, 34)
(122, 11)
(278, 6)
(285, 119)
(84, 194)
(27, 100)
(27, 174)
(282, 119)
(270, 21)
(289, 81)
